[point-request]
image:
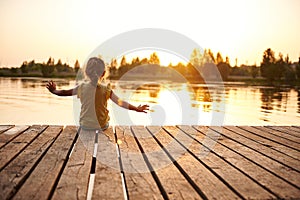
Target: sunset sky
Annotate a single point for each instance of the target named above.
(70, 29)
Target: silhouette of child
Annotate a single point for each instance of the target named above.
(93, 96)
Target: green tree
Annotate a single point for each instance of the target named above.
(76, 66)
(123, 61)
(135, 61)
(196, 58)
(59, 66)
(144, 61)
(47, 70)
(31, 66)
(154, 59)
(24, 67)
(219, 58)
(298, 69)
(14, 70)
(50, 62)
(271, 68)
(224, 69)
(254, 71)
(211, 56)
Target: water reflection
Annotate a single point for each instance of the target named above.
(273, 99)
(26, 101)
(201, 96)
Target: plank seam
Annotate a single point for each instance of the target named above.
(22, 181)
(64, 164)
(10, 127)
(21, 150)
(247, 175)
(259, 165)
(270, 139)
(93, 168)
(272, 133)
(261, 152)
(186, 176)
(280, 130)
(122, 174)
(7, 142)
(152, 171)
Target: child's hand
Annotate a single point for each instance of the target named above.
(142, 108)
(51, 86)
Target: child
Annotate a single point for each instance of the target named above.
(94, 96)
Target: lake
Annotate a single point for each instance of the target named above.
(27, 101)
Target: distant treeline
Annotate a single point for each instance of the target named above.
(48, 69)
(200, 66)
(203, 65)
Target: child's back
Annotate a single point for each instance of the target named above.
(93, 100)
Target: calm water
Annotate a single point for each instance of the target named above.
(26, 101)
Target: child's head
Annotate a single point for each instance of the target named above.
(95, 69)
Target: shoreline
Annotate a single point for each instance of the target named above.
(259, 81)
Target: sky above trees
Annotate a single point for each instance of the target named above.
(70, 29)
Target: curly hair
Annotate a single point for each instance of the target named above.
(94, 69)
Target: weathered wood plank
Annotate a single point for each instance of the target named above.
(5, 127)
(41, 182)
(75, 177)
(10, 134)
(231, 150)
(284, 133)
(241, 182)
(211, 186)
(14, 174)
(262, 146)
(108, 183)
(245, 162)
(294, 131)
(173, 182)
(139, 181)
(18, 144)
(281, 171)
(248, 131)
(268, 133)
(296, 128)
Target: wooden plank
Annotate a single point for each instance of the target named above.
(108, 183)
(294, 131)
(75, 177)
(41, 182)
(18, 144)
(296, 128)
(139, 181)
(223, 162)
(286, 132)
(271, 135)
(5, 127)
(231, 151)
(205, 178)
(260, 136)
(172, 180)
(14, 174)
(278, 169)
(10, 134)
(263, 146)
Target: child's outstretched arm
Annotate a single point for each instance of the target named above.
(124, 104)
(51, 86)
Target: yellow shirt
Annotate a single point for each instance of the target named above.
(94, 113)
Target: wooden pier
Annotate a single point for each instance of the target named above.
(172, 162)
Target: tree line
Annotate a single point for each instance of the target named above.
(48, 69)
(200, 64)
(271, 68)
